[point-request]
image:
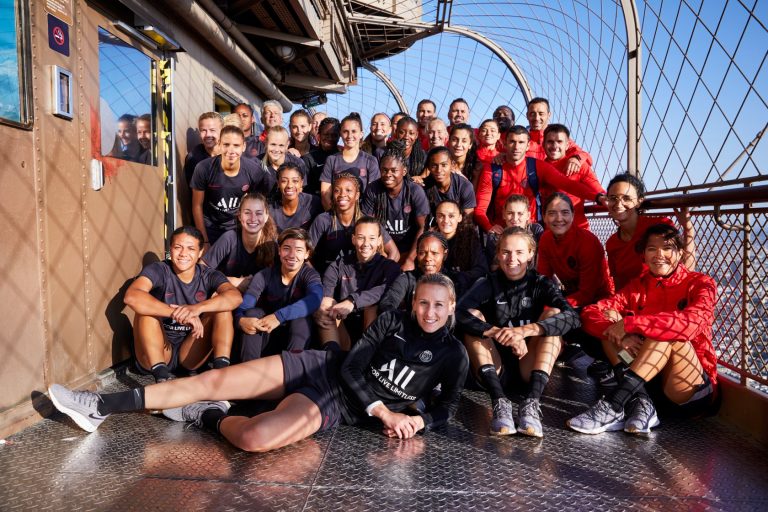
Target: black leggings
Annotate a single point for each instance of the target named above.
(292, 335)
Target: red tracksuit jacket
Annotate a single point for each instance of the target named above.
(680, 307)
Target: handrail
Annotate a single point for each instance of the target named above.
(709, 186)
(757, 194)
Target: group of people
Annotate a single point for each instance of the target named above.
(378, 277)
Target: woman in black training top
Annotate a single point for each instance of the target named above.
(514, 319)
(400, 359)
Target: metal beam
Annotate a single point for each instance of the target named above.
(313, 83)
(634, 85)
(497, 50)
(279, 36)
(400, 44)
(390, 85)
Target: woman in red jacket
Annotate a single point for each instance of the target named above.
(573, 255)
(660, 324)
(626, 193)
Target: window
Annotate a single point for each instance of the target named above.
(14, 86)
(126, 106)
(223, 102)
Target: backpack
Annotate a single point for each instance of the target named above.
(533, 182)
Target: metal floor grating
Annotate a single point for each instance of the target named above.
(147, 463)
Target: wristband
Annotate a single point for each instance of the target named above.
(370, 408)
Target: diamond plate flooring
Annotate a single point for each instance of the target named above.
(147, 463)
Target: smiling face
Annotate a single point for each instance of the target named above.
(432, 306)
(514, 255)
(345, 194)
(126, 132)
(408, 132)
(555, 145)
(209, 132)
(300, 128)
(430, 255)
(253, 216)
(437, 133)
(366, 240)
(622, 200)
(293, 254)
(458, 113)
(488, 134)
(271, 116)
(351, 133)
(448, 217)
(538, 115)
(144, 132)
(459, 143)
(517, 214)
(558, 217)
(662, 256)
(290, 184)
(231, 146)
(392, 172)
(380, 127)
(425, 113)
(185, 252)
(277, 145)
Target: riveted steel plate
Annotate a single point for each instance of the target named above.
(145, 462)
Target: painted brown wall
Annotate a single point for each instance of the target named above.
(68, 251)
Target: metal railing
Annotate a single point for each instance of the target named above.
(731, 223)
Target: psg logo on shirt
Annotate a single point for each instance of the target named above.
(200, 296)
(407, 208)
(425, 356)
(526, 302)
(571, 262)
(363, 172)
(246, 187)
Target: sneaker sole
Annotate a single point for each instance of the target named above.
(610, 427)
(633, 430)
(503, 432)
(530, 431)
(82, 421)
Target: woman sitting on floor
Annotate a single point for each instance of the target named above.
(658, 326)
(279, 302)
(352, 286)
(399, 360)
(514, 320)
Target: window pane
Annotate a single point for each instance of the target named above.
(125, 100)
(10, 70)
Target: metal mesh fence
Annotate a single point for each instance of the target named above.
(741, 319)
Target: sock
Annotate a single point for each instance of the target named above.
(619, 370)
(539, 379)
(332, 346)
(211, 419)
(490, 380)
(123, 401)
(221, 362)
(160, 371)
(626, 390)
